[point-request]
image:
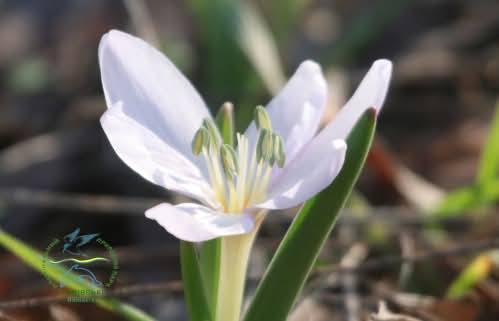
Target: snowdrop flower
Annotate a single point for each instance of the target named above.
(160, 127)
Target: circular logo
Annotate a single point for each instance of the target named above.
(71, 262)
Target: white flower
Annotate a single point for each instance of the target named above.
(154, 114)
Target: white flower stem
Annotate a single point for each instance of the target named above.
(234, 257)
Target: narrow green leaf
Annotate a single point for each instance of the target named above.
(285, 17)
(458, 202)
(257, 42)
(307, 234)
(35, 259)
(478, 270)
(210, 271)
(194, 291)
(364, 30)
(489, 162)
(225, 70)
(463, 200)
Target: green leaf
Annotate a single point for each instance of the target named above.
(258, 43)
(478, 270)
(36, 260)
(194, 291)
(225, 69)
(458, 202)
(463, 200)
(306, 236)
(286, 16)
(364, 30)
(210, 271)
(489, 162)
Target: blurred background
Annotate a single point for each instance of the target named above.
(420, 231)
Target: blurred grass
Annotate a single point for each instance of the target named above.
(36, 260)
(363, 31)
(476, 271)
(485, 190)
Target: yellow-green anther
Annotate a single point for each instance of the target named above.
(229, 160)
(201, 139)
(259, 144)
(262, 118)
(213, 132)
(279, 152)
(264, 146)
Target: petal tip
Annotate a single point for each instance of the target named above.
(310, 65)
(384, 67)
(313, 71)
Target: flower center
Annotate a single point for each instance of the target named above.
(240, 176)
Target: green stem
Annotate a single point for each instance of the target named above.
(235, 251)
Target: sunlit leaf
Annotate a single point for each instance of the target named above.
(478, 270)
(295, 257)
(466, 199)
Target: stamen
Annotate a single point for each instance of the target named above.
(229, 161)
(213, 131)
(264, 145)
(240, 177)
(262, 119)
(201, 139)
(279, 153)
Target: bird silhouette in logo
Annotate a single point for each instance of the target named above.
(73, 242)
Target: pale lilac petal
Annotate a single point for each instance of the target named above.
(321, 160)
(371, 93)
(297, 109)
(196, 223)
(310, 172)
(152, 90)
(153, 158)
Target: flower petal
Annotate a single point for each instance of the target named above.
(153, 91)
(196, 223)
(370, 93)
(152, 158)
(310, 172)
(296, 111)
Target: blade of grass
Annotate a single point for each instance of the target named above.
(364, 30)
(463, 200)
(35, 259)
(285, 17)
(478, 270)
(225, 70)
(258, 44)
(298, 251)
